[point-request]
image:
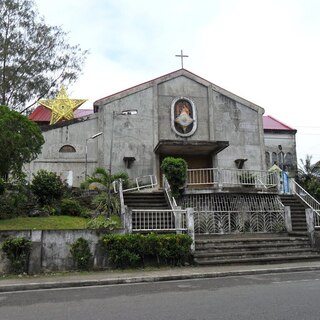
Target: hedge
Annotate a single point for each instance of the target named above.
(134, 250)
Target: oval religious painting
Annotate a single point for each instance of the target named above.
(183, 116)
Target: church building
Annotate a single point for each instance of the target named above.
(179, 114)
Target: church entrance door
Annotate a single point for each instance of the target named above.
(193, 161)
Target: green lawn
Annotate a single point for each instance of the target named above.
(43, 223)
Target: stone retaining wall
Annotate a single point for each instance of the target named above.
(51, 249)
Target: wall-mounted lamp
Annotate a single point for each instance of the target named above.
(129, 161)
(240, 163)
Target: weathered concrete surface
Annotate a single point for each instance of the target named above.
(220, 116)
(51, 249)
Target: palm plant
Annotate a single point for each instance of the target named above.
(307, 170)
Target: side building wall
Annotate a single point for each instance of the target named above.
(280, 149)
(65, 152)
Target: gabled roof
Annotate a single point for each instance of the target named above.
(272, 124)
(172, 75)
(42, 114)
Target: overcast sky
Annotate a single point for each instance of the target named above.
(264, 51)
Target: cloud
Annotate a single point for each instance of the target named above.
(265, 51)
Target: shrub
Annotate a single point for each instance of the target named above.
(106, 203)
(101, 222)
(123, 250)
(17, 251)
(130, 250)
(175, 170)
(2, 186)
(81, 253)
(313, 187)
(71, 207)
(16, 202)
(48, 187)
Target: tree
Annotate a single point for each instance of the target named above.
(309, 176)
(20, 140)
(34, 57)
(175, 170)
(307, 170)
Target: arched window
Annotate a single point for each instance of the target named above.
(288, 159)
(268, 159)
(274, 158)
(67, 148)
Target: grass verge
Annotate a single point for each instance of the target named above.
(43, 223)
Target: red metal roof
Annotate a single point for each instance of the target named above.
(42, 114)
(270, 123)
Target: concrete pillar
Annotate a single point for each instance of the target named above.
(292, 186)
(122, 206)
(220, 183)
(190, 227)
(317, 238)
(178, 220)
(310, 225)
(287, 218)
(128, 220)
(35, 258)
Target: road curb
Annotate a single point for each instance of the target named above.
(145, 279)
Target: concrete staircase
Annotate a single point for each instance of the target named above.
(146, 200)
(248, 249)
(298, 215)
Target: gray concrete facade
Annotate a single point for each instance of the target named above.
(225, 127)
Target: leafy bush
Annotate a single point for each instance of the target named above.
(17, 251)
(48, 187)
(71, 207)
(2, 186)
(130, 250)
(123, 250)
(101, 222)
(313, 187)
(14, 203)
(81, 253)
(106, 203)
(101, 175)
(175, 170)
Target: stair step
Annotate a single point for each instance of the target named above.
(146, 200)
(262, 246)
(252, 254)
(249, 240)
(261, 260)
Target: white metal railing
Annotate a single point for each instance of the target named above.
(222, 222)
(232, 177)
(208, 176)
(138, 183)
(158, 220)
(168, 193)
(308, 199)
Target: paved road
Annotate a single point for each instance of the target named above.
(294, 296)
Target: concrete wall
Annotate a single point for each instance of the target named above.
(242, 127)
(182, 87)
(133, 135)
(281, 142)
(51, 249)
(74, 135)
(221, 116)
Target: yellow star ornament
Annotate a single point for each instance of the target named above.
(62, 106)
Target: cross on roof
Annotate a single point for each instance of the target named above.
(181, 55)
